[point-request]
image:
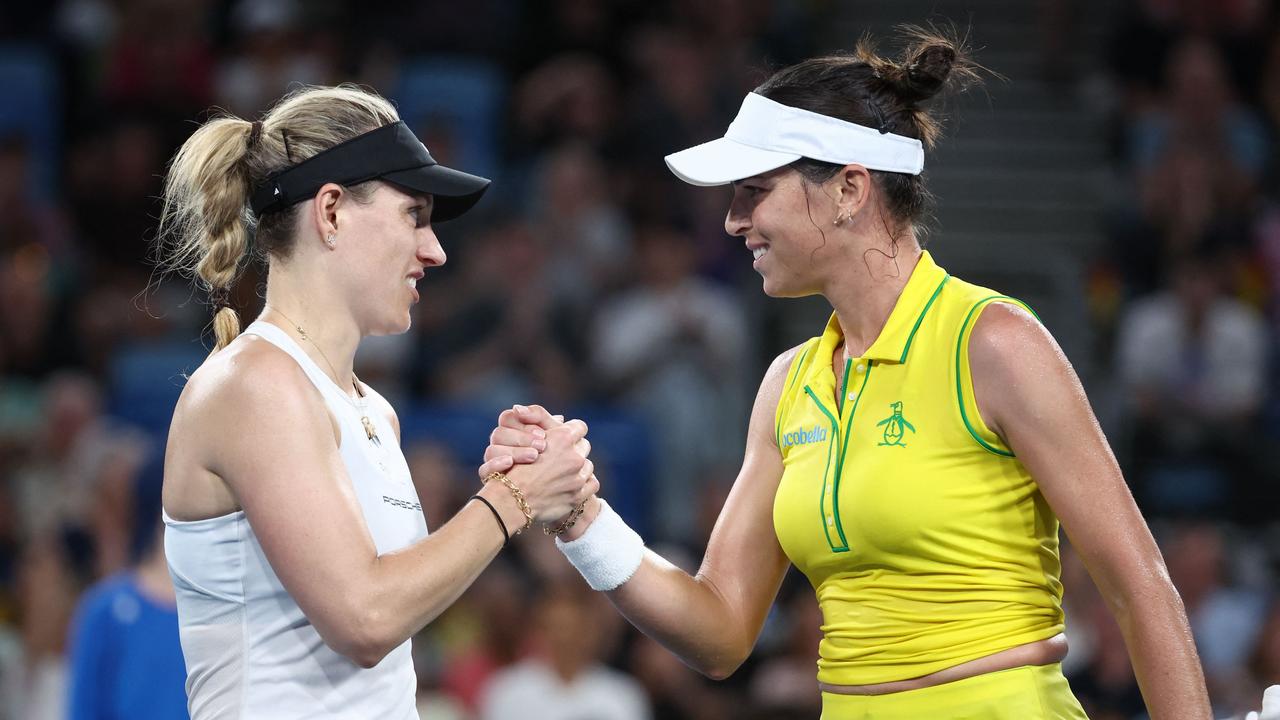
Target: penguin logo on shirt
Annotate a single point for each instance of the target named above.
(895, 427)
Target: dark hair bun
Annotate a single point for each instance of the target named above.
(926, 73)
(933, 61)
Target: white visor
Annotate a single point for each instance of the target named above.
(767, 135)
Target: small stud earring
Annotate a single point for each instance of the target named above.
(839, 219)
(330, 240)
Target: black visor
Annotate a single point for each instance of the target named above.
(390, 153)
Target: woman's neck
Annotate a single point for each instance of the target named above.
(865, 294)
(323, 328)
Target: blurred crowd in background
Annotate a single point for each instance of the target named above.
(594, 283)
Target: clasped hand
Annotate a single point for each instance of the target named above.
(546, 457)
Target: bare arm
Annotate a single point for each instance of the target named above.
(710, 620)
(276, 450)
(1029, 394)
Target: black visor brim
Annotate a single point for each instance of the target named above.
(453, 191)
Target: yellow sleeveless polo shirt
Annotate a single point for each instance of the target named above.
(927, 541)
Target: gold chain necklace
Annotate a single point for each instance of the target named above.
(362, 403)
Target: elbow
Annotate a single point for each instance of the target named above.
(719, 672)
(723, 666)
(361, 639)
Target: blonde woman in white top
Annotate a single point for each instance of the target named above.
(294, 534)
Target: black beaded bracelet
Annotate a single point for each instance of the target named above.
(506, 536)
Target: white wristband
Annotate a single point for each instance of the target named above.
(608, 553)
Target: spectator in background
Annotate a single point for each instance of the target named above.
(586, 237)
(1225, 616)
(783, 687)
(274, 54)
(1193, 364)
(113, 184)
(569, 98)
(33, 672)
(489, 633)
(1106, 687)
(564, 679)
(1197, 157)
(161, 59)
(672, 349)
(125, 657)
(677, 692)
(492, 342)
(26, 218)
(56, 483)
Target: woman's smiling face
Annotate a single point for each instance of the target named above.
(787, 224)
(391, 247)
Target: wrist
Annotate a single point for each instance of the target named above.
(589, 513)
(508, 509)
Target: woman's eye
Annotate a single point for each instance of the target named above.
(416, 214)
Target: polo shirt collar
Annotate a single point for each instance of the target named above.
(894, 342)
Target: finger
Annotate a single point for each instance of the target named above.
(516, 438)
(577, 428)
(510, 418)
(502, 463)
(520, 455)
(583, 447)
(588, 469)
(536, 415)
(591, 488)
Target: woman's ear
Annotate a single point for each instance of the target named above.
(852, 190)
(325, 210)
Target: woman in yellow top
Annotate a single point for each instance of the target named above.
(913, 461)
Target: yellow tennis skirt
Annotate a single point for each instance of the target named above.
(1031, 692)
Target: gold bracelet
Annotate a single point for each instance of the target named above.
(518, 494)
(574, 514)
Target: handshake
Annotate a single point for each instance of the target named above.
(544, 460)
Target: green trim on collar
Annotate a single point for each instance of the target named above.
(920, 319)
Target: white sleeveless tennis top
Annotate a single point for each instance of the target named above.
(250, 652)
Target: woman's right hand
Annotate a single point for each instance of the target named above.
(560, 477)
(520, 438)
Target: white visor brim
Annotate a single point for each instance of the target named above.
(722, 161)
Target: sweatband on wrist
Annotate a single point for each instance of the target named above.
(608, 553)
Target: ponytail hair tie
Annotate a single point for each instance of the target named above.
(220, 298)
(255, 134)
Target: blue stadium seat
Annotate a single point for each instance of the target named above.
(31, 109)
(145, 381)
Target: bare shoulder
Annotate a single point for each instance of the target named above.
(1006, 336)
(770, 393)
(776, 376)
(245, 386)
(1019, 371)
(249, 370)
